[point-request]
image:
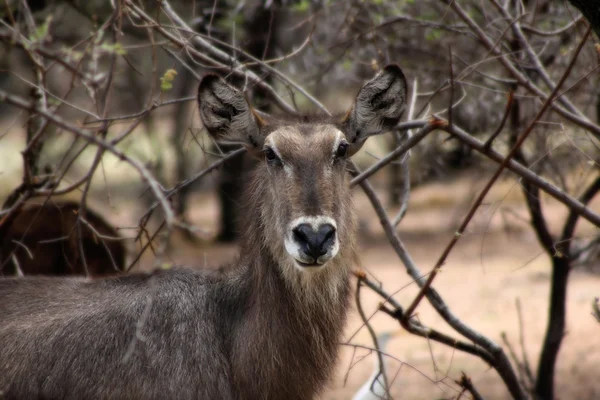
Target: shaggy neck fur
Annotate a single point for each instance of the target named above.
(289, 345)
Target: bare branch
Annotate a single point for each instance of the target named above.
(91, 138)
(520, 77)
(501, 362)
(483, 193)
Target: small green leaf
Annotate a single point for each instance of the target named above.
(433, 34)
(116, 48)
(41, 32)
(72, 55)
(166, 81)
(347, 65)
(301, 6)
(54, 102)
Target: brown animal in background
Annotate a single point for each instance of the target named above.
(267, 327)
(43, 240)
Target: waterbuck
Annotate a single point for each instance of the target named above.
(267, 327)
(43, 239)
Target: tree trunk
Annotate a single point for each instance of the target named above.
(182, 119)
(544, 387)
(260, 43)
(231, 187)
(395, 178)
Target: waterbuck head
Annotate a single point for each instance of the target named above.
(300, 195)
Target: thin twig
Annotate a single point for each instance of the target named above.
(509, 104)
(500, 361)
(522, 79)
(367, 324)
(466, 383)
(404, 164)
(92, 138)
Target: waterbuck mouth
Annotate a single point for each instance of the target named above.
(307, 265)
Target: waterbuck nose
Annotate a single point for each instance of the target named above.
(314, 243)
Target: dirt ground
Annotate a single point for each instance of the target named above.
(495, 265)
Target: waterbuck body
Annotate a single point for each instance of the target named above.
(43, 239)
(267, 327)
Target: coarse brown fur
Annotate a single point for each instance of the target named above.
(44, 239)
(267, 327)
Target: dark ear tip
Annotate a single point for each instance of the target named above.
(394, 69)
(207, 82)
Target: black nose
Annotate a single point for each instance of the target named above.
(314, 243)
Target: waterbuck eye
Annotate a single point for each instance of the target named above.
(341, 150)
(271, 157)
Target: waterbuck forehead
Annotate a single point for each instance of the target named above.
(303, 144)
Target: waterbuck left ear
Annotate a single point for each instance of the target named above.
(227, 115)
(377, 108)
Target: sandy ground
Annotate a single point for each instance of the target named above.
(495, 265)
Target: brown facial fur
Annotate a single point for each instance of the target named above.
(311, 182)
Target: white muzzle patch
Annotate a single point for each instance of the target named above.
(312, 241)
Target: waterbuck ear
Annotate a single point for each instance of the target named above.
(226, 114)
(377, 108)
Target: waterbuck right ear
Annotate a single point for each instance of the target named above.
(377, 108)
(226, 114)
